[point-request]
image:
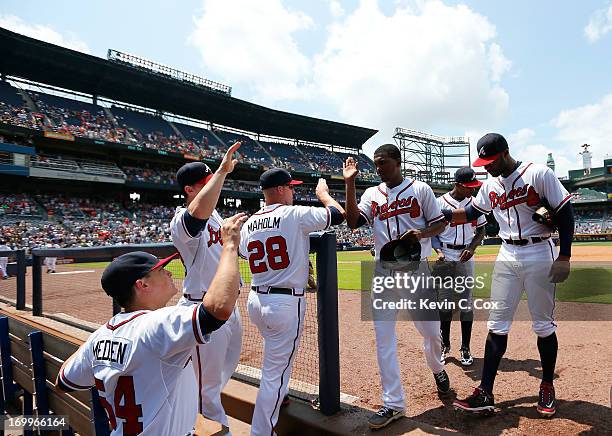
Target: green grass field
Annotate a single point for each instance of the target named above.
(585, 284)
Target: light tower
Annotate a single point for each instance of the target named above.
(431, 158)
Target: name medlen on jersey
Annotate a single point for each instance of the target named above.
(113, 351)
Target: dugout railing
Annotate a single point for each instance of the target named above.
(73, 294)
(13, 284)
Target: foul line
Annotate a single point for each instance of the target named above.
(74, 272)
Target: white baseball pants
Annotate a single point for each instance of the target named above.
(524, 268)
(386, 347)
(280, 320)
(215, 362)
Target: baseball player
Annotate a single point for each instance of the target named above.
(406, 208)
(140, 361)
(51, 262)
(196, 233)
(275, 240)
(3, 260)
(527, 260)
(457, 244)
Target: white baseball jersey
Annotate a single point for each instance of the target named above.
(515, 198)
(275, 241)
(393, 211)
(459, 234)
(140, 363)
(200, 253)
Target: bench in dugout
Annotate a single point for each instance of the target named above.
(31, 357)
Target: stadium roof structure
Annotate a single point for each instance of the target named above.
(50, 64)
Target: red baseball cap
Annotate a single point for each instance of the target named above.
(490, 147)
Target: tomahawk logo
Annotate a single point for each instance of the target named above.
(214, 236)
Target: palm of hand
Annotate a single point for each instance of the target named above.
(350, 171)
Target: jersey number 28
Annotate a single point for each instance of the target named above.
(129, 411)
(276, 250)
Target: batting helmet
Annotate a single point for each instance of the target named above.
(401, 255)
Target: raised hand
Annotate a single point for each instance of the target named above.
(349, 169)
(322, 188)
(228, 163)
(230, 230)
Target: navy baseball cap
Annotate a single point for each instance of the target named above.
(277, 177)
(490, 147)
(192, 173)
(467, 177)
(121, 274)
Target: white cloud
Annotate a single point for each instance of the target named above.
(44, 33)
(590, 124)
(336, 9)
(252, 43)
(600, 23)
(499, 63)
(424, 66)
(521, 136)
(524, 147)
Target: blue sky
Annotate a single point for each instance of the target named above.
(538, 72)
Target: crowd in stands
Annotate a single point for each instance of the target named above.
(150, 175)
(19, 116)
(592, 221)
(84, 222)
(593, 227)
(361, 237)
(118, 124)
(77, 118)
(590, 214)
(18, 205)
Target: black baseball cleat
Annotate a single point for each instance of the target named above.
(465, 357)
(547, 404)
(479, 403)
(286, 401)
(442, 382)
(384, 417)
(446, 349)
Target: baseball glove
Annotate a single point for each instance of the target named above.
(544, 215)
(443, 269)
(401, 255)
(312, 281)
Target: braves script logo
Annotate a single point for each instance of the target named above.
(398, 207)
(214, 236)
(522, 194)
(472, 223)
